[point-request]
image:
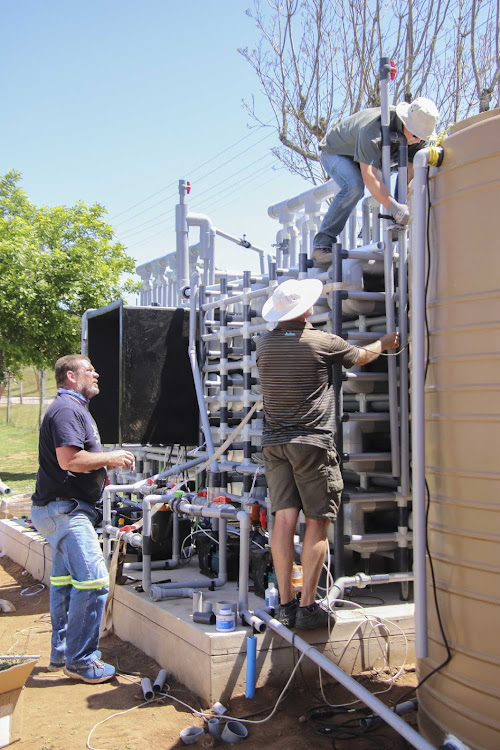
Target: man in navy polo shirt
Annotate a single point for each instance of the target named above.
(70, 481)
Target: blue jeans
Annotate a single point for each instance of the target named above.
(347, 175)
(78, 582)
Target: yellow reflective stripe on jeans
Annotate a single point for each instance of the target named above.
(60, 580)
(96, 583)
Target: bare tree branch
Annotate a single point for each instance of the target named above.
(317, 62)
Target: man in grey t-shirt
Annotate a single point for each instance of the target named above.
(351, 153)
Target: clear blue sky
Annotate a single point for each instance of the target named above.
(113, 101)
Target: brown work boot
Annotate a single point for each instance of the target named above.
(322, 256)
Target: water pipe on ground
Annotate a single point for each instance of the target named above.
(385, 713)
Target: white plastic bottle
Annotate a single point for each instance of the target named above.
(272, 596)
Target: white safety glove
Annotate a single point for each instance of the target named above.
(399, 211)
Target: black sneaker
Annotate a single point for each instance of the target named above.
(286, 615)
(312, 618)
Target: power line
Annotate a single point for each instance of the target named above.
(192, 171)
(200, 179)
(129, 232)
(163, 232)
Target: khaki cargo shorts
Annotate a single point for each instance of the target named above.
(303, 476)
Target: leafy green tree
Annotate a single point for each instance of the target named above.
(55, 263)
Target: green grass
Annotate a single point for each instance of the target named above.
(22, 416)
(30, 387)
(19, 449)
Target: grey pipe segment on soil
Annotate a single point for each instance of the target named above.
(385, 713)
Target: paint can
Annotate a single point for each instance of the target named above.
(225, 620)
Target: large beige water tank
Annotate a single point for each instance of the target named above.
(462, 406)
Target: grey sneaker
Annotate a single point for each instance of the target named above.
(311, 619)
(97, 671)
(287, 614)
(53, 667)
(322, 256)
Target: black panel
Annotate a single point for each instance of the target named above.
(104, 353)
(159, 399)
(157, 402)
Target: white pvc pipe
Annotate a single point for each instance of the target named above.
(292, 205)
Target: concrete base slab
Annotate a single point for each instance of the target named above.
(213, 664)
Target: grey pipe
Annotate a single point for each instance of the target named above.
(182, 243)
(384, 72)
(399, 709)
(200, 396)
(159, 592)
(361, 580)
(147, 542)
(385, 713)
(143, 486)
(128, 536)
(160, 681)
(155, 565)
(208, 582)
(392, 364)
(4, 489)
(204, 618)
(418, 243)
(224, 514)
(403, 366)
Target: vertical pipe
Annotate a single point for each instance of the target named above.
(418, 359)
(338, 530)
(224, 379)
(182, 245)
(196, 374)
(146, 545)
(247, 377)
(251, 665)
(384, 73)
(404, 415)
(391, 364)
(303, 265)
(222, 576)
(365, 221)
(293, 231)
(106, 519)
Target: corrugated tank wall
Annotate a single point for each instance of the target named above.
(463, 438)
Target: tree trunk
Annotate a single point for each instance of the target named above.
(7, 419)
(42, 390)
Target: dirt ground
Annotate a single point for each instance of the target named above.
(63, 714)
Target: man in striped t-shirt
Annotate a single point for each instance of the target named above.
(302, 469)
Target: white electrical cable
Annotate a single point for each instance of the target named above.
(27, 592)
